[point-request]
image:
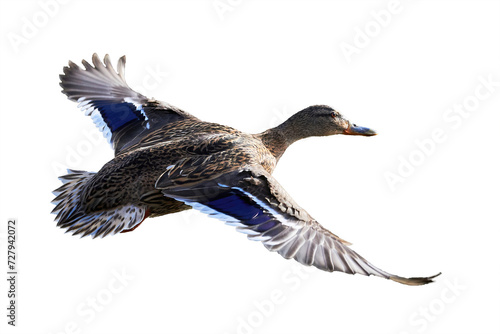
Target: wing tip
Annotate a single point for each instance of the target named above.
(414, 280)
(94, 77)
(95, 59)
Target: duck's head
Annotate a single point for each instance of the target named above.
(321, 120)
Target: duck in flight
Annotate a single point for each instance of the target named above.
(167, 160)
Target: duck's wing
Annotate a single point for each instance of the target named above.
(122, 114)
(251, 199)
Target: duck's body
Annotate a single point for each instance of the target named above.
(167, 161)
(131, 176)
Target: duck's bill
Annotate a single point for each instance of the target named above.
(354, 130)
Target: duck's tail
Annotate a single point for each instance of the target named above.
(73, 216)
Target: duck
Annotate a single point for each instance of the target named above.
(167, 160)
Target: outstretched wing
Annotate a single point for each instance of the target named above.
(123, 115)
(251, 199)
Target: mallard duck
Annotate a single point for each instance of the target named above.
(167, 160)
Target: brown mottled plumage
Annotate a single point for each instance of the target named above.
(167, 161)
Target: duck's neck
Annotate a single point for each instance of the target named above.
(279, 138)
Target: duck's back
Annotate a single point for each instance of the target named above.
(189, 131)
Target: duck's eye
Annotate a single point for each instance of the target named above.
(334, 115)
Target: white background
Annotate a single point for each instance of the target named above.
(251, 67)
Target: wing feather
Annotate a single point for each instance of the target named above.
(122, 114)
(262, 209)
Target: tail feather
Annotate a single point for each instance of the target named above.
(72, 216)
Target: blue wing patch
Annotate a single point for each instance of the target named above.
(118, 115)
(239, 206)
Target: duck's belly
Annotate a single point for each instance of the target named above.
(159, 205)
